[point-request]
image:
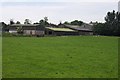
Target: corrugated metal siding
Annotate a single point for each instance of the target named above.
(33, 32)
(29, 32)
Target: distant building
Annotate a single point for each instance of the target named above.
(28, 29)
(54, 30)
(85, 29)
(60, 31)
(3, 27)
(119, 6)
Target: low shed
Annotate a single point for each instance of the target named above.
(28, 29)
(85, 29)
(60, 31)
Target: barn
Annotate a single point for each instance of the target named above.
(3, 27)
(27, 29)
(60, 31)
(85, 29)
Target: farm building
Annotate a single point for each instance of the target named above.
(27, 29)
(60, 31)
(85, 29)
(3, 27)
(55, 30)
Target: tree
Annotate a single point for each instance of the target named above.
(27, 21)
(18, 22)
(76, 22)
(118, 17)
(36, 23)
(110, 17)
(66, 22)
(46, 19)
(44, 22)
(11, 21)
(111, 27)
(4, 27)
(101, 29)
(20, 30)
(113, 21)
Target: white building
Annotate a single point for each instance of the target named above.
(119, 6)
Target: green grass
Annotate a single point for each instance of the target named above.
(60, 57)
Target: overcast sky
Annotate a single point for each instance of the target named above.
(56, 10)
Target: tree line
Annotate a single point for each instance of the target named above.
(111, 27)
(44, 22)
(28, 21)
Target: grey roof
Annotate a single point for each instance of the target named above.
(24, 25)
(84, 27)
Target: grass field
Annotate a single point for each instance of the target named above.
(60, 57)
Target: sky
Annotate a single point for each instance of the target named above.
(56, 10)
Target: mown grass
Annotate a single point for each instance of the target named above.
(60, 57)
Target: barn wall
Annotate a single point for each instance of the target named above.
(34, 32)
(29, 32)
(65, 33)
(40, 33)
(12, 31)
(85, 33)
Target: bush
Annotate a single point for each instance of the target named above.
(7, 35)
(14, 35)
